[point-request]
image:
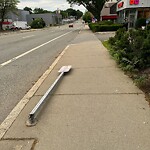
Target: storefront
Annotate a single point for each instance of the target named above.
(130, 10)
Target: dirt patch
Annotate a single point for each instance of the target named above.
(146, 87)
(146, 90)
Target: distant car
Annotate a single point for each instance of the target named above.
(70, 25)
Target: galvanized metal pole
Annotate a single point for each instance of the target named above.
(33, 114)
(35, 111)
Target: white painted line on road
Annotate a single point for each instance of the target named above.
(6, 124)
(15, 58)
(25, 37)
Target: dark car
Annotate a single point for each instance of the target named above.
(70, 25)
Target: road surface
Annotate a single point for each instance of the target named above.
(24, 57)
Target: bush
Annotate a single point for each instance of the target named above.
(140, 22)
(38, 23)
(113, 27)
(106, 22)
(96, 27)
(131, 49)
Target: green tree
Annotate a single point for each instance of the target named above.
(28, 9)
(5, 7)
(79, 14)
(64, 14)
(71, 12)
(87, 17)
(40, 11)
(93, 6)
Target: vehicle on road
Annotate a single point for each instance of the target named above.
(71, 25)
(20, 25)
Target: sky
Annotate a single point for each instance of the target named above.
(50, 5)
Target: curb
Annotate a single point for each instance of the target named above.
(6, 124)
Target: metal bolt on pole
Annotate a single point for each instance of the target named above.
(33, 114)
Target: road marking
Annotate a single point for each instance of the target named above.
(25, 37)
(19, 56)
(6, 124)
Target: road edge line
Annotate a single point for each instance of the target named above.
(6, 124)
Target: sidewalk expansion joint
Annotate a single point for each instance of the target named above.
(94, 67)
(96, 94)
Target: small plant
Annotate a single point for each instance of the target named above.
(140, 80)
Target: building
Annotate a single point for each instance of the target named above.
(22, 15)
(19, 15)
(49, 18)
(130, 10)
(109, 11)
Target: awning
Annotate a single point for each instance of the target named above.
(109, 17)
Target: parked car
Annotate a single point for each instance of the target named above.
(22, 25)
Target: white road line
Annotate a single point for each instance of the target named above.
(25, 37)
(19, 56)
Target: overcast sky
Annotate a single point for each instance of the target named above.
(48, 4)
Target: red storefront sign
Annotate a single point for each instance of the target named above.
(6, 23)
(120, 4)
(134, 2)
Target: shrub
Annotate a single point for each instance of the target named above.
(140, 22)
(131, 49)
(106, 22)
(38, 23)
(113, 27)
(96, 27)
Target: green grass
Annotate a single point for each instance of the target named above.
(106, 44)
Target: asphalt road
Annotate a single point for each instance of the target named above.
(24, 57)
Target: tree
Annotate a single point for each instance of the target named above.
(5, 7)
(64, 14)
(79, 14)
(93, 6)
(28, 9)
(40, 11)
(71, 12)
(87, 17)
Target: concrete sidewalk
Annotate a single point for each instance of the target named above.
(95, 106)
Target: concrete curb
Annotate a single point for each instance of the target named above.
(6, 124)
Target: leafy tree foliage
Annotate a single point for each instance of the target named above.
(93, 6)
(28, 9)
(71, 12)
(87, 17)
(79, 14)
(64, 13)
(40, 11)
(5, 7)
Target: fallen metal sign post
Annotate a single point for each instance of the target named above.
(33, 114)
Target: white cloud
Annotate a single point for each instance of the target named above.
(48, 4)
